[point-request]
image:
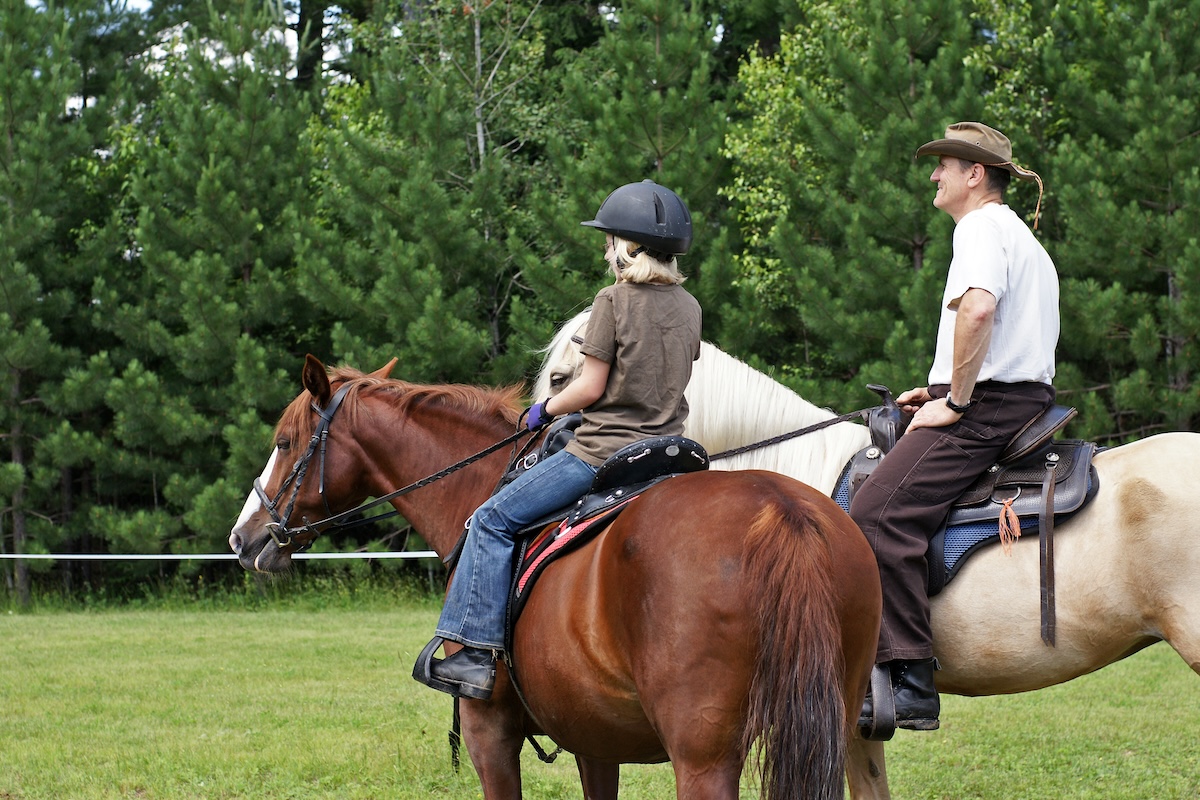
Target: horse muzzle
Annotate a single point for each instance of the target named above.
(270, 552)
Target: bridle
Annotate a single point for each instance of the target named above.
(306, 534)
(278, 529)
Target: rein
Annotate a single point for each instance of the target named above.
(783, 437)
(283, 535)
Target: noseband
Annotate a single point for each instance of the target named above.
(283, 536)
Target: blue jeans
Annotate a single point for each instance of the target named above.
(476, 603)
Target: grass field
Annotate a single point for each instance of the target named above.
(299, 703)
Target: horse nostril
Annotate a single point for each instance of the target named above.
(235, 543)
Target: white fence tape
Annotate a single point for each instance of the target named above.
(201, 556)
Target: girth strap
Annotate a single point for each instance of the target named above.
(456, 741)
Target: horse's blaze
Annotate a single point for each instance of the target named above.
(242, 535)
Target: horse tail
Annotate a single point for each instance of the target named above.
(796, 709)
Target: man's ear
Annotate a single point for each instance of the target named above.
(978, 175)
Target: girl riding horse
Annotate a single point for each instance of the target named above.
(637, 359)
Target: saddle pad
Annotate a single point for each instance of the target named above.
(540, 551)
(622, 477)
(558, 539)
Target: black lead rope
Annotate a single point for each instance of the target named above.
(437, 476)
(848, 417)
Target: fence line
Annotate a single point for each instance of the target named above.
(202, 556)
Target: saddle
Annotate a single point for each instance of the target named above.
(1033, 483)
(622, 477)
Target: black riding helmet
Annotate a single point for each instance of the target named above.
(649, 214)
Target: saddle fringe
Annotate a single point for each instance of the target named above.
(1010, 526)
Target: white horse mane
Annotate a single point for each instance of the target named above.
(731, 405)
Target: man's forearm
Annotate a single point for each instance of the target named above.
(972, 337)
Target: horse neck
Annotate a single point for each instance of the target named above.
(733, 405)
(409, 446)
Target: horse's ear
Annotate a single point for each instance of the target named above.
(385, 371)
(316, 380)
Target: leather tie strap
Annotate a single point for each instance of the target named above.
(1046, 537)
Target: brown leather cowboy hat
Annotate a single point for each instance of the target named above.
(977, 143)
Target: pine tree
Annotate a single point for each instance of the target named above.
(839, 283)
(427, 243)
(1125, 84)
(1098, 99)
(204, 325)
(43, 145)
(645, 103)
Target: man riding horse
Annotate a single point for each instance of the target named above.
(991, 375)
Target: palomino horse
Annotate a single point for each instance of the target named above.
(1127, 565)
(717, 609)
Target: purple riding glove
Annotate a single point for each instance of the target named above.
(538, 415)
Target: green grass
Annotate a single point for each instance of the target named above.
(300, 701)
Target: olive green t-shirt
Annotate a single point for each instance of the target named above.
(649, 335)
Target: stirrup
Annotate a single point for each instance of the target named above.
(881, 727)
(423, 669)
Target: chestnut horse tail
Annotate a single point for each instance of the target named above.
(796, 710)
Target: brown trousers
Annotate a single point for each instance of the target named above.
(908, 498)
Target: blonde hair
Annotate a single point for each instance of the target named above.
(641, 267)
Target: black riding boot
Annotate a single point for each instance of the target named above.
(917, 702)
(471, 672)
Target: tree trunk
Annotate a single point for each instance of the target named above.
(21, 568)
(310, 33)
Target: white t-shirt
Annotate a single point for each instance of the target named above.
(994, 250)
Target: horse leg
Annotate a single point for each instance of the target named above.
(707, 781)
(600, 779)
(865, 770)
(494, 732)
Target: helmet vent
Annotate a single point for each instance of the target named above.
(660, 213)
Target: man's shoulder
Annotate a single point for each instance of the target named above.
(990, 214)
(994, 219)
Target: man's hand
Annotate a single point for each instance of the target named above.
(910, 402)
(934, 414)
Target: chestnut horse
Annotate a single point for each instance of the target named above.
(717, 610)
(1127, 565)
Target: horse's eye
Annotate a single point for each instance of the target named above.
(558, 380)
(283, 445)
